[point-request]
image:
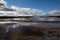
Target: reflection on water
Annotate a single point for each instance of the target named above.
(37, 31)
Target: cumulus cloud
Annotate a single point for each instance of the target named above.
(4, 2)
(29, 10)
(55, 13)
(21, 11)
(14, 8)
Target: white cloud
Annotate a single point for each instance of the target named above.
(20, 10)
(29, 10)
(4, 2)
(54, 12)
(15, 8)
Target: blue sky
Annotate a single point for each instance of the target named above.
(46, 5)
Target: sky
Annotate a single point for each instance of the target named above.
(45, 5)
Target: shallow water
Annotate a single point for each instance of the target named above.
(28, 31)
